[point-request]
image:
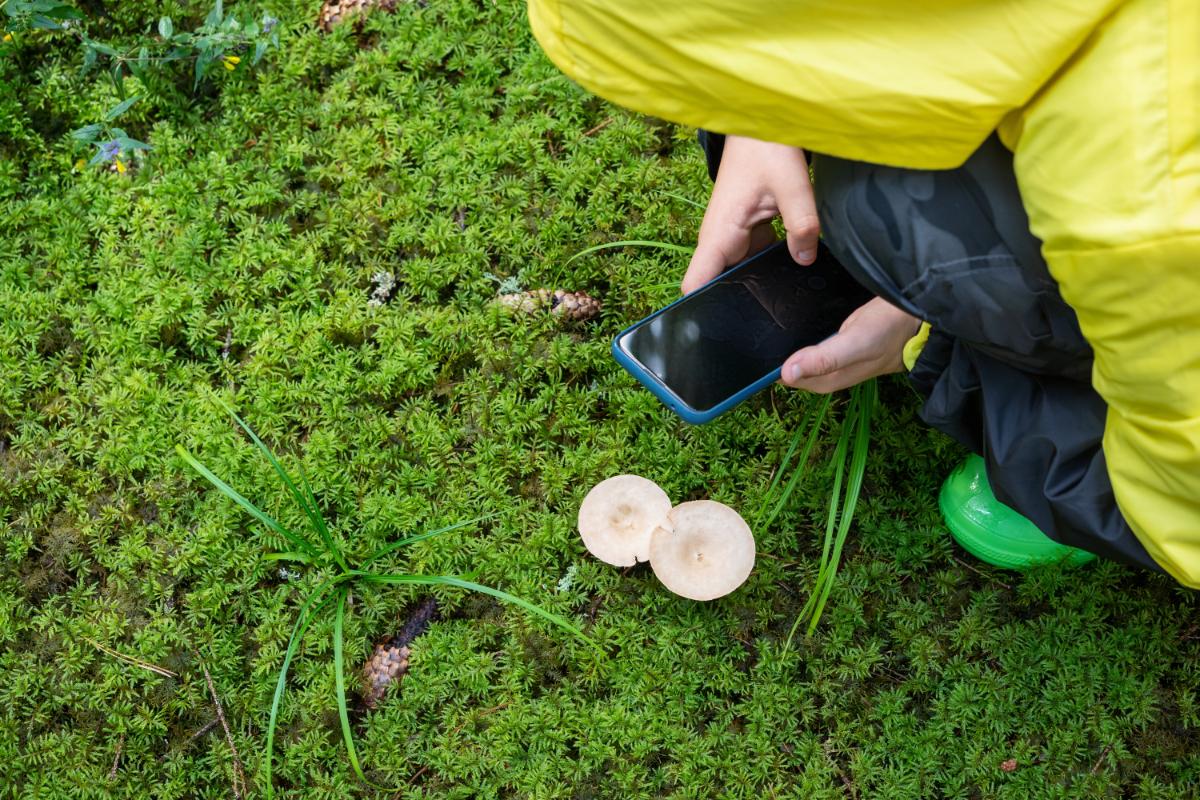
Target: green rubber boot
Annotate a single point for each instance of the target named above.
(993, 532)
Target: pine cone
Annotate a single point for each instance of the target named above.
(335, 11)
(389, 663)
(575, 306)
(527, 302)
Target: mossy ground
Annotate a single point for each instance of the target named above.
(439, 144)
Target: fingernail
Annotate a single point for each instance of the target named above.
(806, 255)
(792, 372)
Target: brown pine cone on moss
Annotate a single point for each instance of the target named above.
(575, 306)
(335, 11)
(389, 663)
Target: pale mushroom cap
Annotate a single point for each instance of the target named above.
(617, 517)
(704, 551)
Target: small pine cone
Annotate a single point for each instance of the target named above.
(387, 665)
(335, 11)
(576, 306)
(527, 302)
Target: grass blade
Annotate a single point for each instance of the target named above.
(303, 619)
(401, 543)
(839, 460)
(858, 468)
(446, 580)
(310, 510)
(299, 542)
(291, 555)
(318, 519)
(813, 421)
(340, 683)
(685, 199)
(629, 243)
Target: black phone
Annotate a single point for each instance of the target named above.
(710, 350)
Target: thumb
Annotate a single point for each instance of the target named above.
(835, 353)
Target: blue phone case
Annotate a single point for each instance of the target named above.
(669, 399)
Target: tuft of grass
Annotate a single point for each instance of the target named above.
(853, 444)
(324, 553)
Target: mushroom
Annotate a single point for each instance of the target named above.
(617, 517)
(703, 550)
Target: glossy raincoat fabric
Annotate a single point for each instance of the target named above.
(1099, 102)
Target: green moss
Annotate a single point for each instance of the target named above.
(439, 145)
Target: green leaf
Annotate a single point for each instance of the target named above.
(630, 243)
(43, 23)
(447, 580)
(118, 82)
(121, 108)
(166, 28)
(259, 50)
(202, 62)
(297, 541)
(87, 133)
(101, 47)
(89, 58)
(132, 144)
(215, 15)
(60, 11)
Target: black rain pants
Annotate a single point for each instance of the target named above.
(1006, 370)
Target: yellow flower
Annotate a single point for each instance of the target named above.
(120, 166)
(8, 37)
(231, 62)
(80, 164)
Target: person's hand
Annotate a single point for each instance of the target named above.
(756, 182)
(869, 343)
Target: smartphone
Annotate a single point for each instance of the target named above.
(710, 350)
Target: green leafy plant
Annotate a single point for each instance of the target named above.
(849, 462)
(214, 45)
(36, 15)
(217, 44)
(321, 551)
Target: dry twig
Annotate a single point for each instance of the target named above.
(608, 121)
(137, 662)
(1096, 767)
(112, 773)
(239, 776)
(962, 563)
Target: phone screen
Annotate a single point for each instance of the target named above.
(742, 327)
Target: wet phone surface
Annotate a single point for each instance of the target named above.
(738, 329)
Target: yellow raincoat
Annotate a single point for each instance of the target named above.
(1099, 101)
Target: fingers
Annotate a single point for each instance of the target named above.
(714, 252)
(798, 207)
(756, 182)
